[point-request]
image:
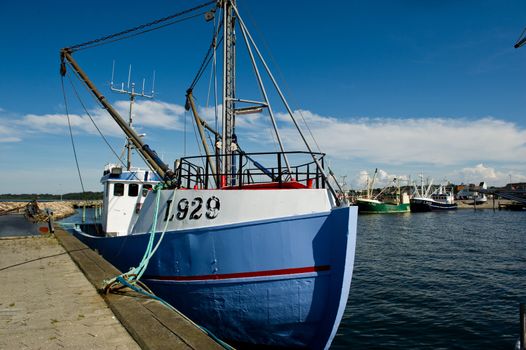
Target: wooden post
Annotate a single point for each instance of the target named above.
(493, 202)
(523, 330)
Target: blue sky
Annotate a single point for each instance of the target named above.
(403, 86)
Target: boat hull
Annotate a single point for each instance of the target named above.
(279, 282)
(425, 205)
(368, 207)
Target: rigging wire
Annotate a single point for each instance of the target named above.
(212, 72)
(216, 112)
(98, 129)
(71, 133)
(198, 145)
(143, 32)
(208, 57)
(520, 40)
(93, 121)
(209, 54)
(213, 83)
(99, 41)
(184, 133)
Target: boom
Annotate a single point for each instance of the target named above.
(149, 155)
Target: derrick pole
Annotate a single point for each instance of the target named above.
(149, 155)
(190, 103)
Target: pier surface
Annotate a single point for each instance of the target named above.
(48, 302)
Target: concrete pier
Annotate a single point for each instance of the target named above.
(48, 302)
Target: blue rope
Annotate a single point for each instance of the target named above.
(131, 278)
(136, 273)
(148, 254)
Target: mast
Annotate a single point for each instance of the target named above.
(229, 75)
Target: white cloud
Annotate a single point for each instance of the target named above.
(481, 172)
(145, 113)
(382, 179)
(58, 123)
(8, 134)
(441, 143)
(7, 139)
(437, 141)
(154, 114)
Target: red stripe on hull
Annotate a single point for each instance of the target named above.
(267, 273)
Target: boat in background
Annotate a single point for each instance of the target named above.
(256, 247)
(438, 200)
(389, 200)
(471, 195)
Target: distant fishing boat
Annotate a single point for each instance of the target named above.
(256, 247)
(388, 200)
(438, 200)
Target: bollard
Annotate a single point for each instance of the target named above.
(493, 203)
(523, 330)
(50, 222)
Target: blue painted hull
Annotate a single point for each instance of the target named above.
(280, 282)
(425, 205)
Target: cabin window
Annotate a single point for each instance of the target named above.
(133, 190)
(118, 189)
(145, 189)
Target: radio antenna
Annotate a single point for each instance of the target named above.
(130, 91)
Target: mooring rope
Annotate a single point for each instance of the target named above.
(136, 273)
(71, 133)
(131, 279)
(125, 283)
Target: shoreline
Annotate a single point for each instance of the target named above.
(468, 204)
(60, 209)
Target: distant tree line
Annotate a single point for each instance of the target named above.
(56, 197)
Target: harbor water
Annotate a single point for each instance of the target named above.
(451, 280)
(14, 225)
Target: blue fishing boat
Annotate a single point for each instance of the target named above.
(255, 246)
(439, 200)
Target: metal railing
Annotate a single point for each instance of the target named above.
(252, 169)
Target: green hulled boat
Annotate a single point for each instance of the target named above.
(374, 206)
(388, 200)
